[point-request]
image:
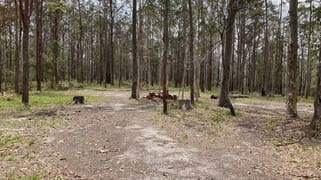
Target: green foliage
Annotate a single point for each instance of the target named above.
(59, 6)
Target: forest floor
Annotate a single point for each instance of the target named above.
(120, 138)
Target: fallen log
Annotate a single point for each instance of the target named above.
(159, 95)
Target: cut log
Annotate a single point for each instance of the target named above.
(78, 99)
(185, 104)
(159, 95)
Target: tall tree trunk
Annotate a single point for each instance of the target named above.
(218, 77)
(55, 49)
(183, 50)
(111, 41)
(309, 63)
(135, 85)
(101, 52)
(1, 66)
(17, 47)
(277, 82)
(210, 66)
(106, 51)
(266, 54)
(202, 45)
(140, 50)
(191, 50)
(253, 59)
(25, 10)
(39, 12)
(80, 46)
(315, 125)
(292, 60)
(242, 53)
(165, 55)
(224, 100)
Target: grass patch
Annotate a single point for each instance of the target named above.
(50, 98)
(31, 141)
(44, 100)
(200, 105)
(9, 139)
(12, 102)
(15, 176)
(31, 177)
(9, 158)
(220, 114)
(184, 136)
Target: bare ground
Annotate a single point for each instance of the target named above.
(129, 139)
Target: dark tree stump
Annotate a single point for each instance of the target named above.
(78, 99)
(185, 104)
(214, 97)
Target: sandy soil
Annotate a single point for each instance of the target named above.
(129, 139)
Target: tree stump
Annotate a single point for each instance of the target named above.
(214, 97)
(185, 104)
(78, 99)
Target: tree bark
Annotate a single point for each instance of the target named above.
(191, 51)
(80, 46)
(292, 60)
(1, 67)
(210, 67)
(25, 10)
(55, 48)
(265, 82)
(165, 56)
(17, 47)
(135, 84)
(309, 63)
(277, 82)
(111, 41)
(39, 12)
(315, 125)
(224, 100)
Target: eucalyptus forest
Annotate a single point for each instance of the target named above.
(160, 89)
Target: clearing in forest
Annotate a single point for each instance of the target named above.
(114, 137)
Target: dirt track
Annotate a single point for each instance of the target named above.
(128, 139)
